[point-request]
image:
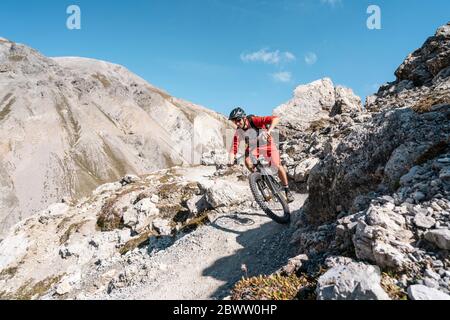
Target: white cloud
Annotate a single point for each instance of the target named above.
(289, 56)
(268, 57)
(311, 58)
(331, 2)
(283, 76)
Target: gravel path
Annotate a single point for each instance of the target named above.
(206, 263)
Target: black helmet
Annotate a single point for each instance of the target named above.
(237, 113)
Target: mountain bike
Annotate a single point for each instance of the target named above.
(268, 191)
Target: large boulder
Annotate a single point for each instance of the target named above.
(351, 281)
(140, 215)
(439, 237)
(223, 193)
(303, 169)
(421, 292)
(346, 101)
(314, 101)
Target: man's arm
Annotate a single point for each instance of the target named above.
(262, 122)
(275, 122)
(234, 148)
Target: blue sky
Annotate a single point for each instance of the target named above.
(222, 53)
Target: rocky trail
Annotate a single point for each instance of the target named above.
(206, 263)
(147, 256)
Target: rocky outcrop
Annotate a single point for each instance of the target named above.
(51, 253)
(315, 101)
(69, 125)
(422, 79)
(408, 230)
(351, 280)
(375, 154)
(313, 122)
(380, 192)
(373, 158)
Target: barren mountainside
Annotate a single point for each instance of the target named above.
(67, 125)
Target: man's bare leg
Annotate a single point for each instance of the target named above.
(284, 180)
(249, 164)
(283, 175)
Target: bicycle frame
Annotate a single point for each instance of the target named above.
(263, 181)
(267, 175)
(265, 172)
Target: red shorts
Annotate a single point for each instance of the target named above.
(269, 152)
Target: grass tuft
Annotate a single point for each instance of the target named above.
(425, 104)
(274, 287)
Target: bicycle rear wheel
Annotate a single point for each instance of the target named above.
(274, 205)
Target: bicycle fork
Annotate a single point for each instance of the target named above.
(264, 190)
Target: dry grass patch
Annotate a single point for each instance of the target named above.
(8, 273)
(110, 218)
(274, 287)
(425, 104)
(30, 291)
(318, 125)
(137, 241)
(71, 230)
(102, 78)
(391, 288)
(16, 58)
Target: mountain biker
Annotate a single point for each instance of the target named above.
(265, 125)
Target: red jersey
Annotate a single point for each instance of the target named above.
(259, 123)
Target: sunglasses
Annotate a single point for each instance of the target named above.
(236, 121)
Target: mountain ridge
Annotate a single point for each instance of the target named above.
(71, 124)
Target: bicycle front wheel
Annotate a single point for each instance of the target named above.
(274, 204)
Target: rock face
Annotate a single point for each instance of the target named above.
(346, 101)
(380, 191)
(315, 101)
(374, 157)
(69, 125)
(351, 281)
(421, 79)
(312, 122)
(408, 123)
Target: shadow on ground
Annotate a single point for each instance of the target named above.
(264, 250)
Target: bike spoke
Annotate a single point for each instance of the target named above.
(275, 206)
